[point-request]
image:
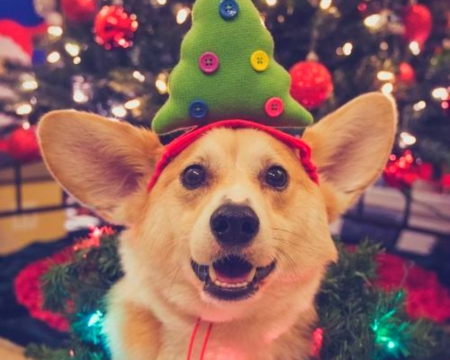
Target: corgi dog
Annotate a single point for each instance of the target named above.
(232, 242)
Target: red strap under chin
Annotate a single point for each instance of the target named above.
(178, 145)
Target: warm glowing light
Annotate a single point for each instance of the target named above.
(55, 31)
(182, 15)
(29, 83)
(325, 4)
(414, 47)
(161, 83)
(419, 105)
(407, 139)
(53, 57)
(373, 22)
(440, 93)
(72, 49)
(385, 75)
(24, 109)
(138, 76)
(271, 2)
(80, 96)
(384, 45)
(161, 2)
(132, 104)
(76, 60)
(387, 88)
(347, 48)
(26, 125)
(119, 111)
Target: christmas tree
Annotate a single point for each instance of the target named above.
(116, 62)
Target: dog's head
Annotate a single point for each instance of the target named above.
(233, 221)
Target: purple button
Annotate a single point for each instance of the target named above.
(208, 62)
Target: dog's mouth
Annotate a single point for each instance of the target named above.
(231, 278)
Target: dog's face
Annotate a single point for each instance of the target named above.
(243, 215)
(234, 222)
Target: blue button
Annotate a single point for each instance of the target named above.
(228, 9)
(198, 109)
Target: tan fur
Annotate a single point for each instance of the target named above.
(153, 309)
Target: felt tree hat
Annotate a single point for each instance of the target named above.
(227, 71)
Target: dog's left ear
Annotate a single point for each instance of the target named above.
(351, 146)
(104, 164)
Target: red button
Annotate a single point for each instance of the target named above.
(208, 62)
(274, 107)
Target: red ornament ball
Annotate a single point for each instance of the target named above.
(406, 74)
(418, 22)
(23, 145)
(79, 10)
(311, 83)
(3, 146)
(114, 27)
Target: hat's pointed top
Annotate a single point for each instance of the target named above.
(227, 71)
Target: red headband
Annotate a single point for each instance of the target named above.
(178, 145)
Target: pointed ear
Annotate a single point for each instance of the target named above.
(102, 163)
(351, 146)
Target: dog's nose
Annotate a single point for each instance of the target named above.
(234, 224)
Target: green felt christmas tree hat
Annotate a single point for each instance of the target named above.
(227, 71)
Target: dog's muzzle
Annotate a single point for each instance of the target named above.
(231, 278)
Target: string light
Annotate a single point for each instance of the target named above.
(387, 88)
(76, 60)
(53, 57)
(29, 83)
(325, 4)
(406, 139)
(182, 15)
(132, 104)
(55, 31)
(119, 111)
(138, 76)
(26, 125)
(385, 75)
(95, 318)
(82, 90)
(24, 109)
(80, 97)
(440, 93)
(418, 106)
(414, 47)
(347, 48)
(373, 22)
(384, 45)
(161, 83)
(72, 49)
(271, 2)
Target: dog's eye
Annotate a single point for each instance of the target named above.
(276, 177)
(193, 177)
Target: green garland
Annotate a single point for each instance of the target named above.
(359, 322)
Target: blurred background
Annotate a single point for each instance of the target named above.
(114, 58)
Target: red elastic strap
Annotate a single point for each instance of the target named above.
(191, 342)
(178, 145)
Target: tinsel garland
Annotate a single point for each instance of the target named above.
(358, 320)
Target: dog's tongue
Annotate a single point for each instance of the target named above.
(232, 280)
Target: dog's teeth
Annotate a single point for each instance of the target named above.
(251, 275)
(212, 274)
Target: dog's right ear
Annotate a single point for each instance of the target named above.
(102, 163)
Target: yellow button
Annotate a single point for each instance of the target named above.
(259, 60)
